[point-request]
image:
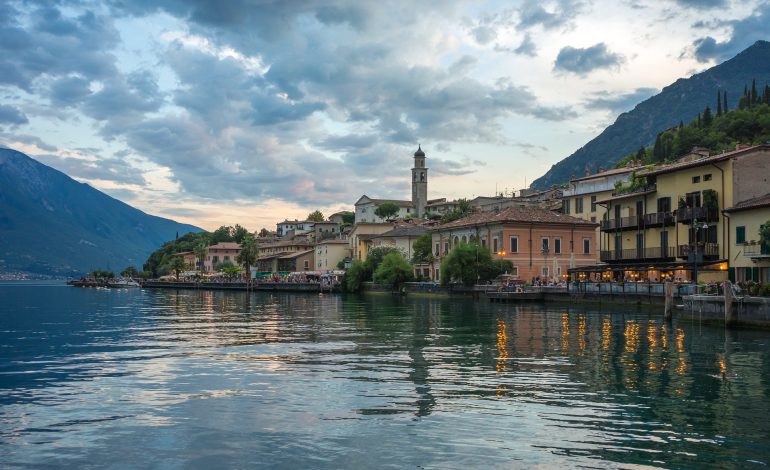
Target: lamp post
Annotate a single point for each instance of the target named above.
(695, 253)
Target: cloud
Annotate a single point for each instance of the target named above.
(744, 33)
(548, 14)
(618, 103)
(699, 4)
(11, 140)
(584, 61)
(12, 115)
(90, 167)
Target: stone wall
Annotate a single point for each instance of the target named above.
(748, 311)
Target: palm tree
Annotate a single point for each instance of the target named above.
(248, 255)
(177, 265)
(200, 251)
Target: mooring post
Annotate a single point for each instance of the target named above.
(729, 316)
(669, 305)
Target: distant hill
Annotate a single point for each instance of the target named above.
(52, 224)
(680, 101)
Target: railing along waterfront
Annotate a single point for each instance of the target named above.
(632, 288)
(634, 254)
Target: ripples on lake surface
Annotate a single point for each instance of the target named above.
(201, 379)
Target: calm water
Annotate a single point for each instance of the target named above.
(187, 379)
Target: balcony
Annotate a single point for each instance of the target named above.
(757, 251)
(623, 223)
(635, 254)
(709, 251)
(659, 219)
(688, 215)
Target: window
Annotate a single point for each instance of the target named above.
(446, 247)
(740, 234)
(438, 248)
(707, 177)
(692, 199)
(593, 219)
(579, 205)
(586, 246)
(593, 203)
(664, 204)
(695, 179)
(515, 271)
(307, 265)
(514, 244)
(545, 245)
(484, 242)
(494, 244)
(545, 271)
(565, 206)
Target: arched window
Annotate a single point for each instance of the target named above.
(465, 240)
(456, 241)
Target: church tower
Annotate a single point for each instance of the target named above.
(419, 183)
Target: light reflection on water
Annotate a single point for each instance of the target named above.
(199, 379)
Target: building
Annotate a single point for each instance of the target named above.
(326, 229)
(541, 244)
(749, 254)
(339, 217)
(361, 237)
(223, 252)
(580, 199)
(667, 221)
(366, 206)
(292, 227)
(401, 237)
(275, 256)
(329, 253)
(190, 261)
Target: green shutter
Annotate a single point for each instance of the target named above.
(740, 234)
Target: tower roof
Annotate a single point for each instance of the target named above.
(419, 152)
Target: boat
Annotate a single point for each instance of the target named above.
(123, 282)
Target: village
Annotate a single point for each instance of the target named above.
(700, 220)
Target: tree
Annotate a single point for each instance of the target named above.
(393, 270)
(707, 117)
(719, 103)
(200, 251)
(355, 276)
(176, 265)
(423, 252)
(240, 233)
(386, 210)
(230, 271)
(315, 216)
(248, 255)
(764, 238)
(264, 233)
(348, 218)
(462, 209)
(725, 109)
(374, 258)
(130, 272)
(470, 263)
(222, 234)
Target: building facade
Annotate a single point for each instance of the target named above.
(329, 254)
(224, 252)
(749, 252)
(541, 244)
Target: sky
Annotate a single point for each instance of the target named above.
(216, 112)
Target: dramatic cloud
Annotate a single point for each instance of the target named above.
(11, 115)
(548, 14)
(701, 3)
(95, 168)
(583, 61)
(744, 33)
(619, 102)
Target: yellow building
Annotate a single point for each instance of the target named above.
(581, 198)
(362, 235)
(749, 256)
(667, 222)
(329, 253)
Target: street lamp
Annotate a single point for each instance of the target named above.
(697, 227)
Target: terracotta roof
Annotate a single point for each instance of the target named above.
(333, 241)
(409, 231)
(295, 255)
(753, 203)
(705, 160)
(285, 244)
(614, 171)
(397, 202)
(225, 246)
(183, 253)
(516, 214)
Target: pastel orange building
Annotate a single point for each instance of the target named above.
(540, 243)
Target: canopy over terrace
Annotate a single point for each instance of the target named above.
(645, 271)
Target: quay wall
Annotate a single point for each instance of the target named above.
(748, 311)
(262, 286)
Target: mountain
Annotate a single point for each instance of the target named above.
(680, 101)
(51, 224)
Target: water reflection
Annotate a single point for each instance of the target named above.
(415, 382)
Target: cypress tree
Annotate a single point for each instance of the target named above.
(707, 117)
(698, 123)
(719, 103)
(724, 105)
(766, 95)
(753, 93)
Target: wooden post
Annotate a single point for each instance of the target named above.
(669, 306)
(729, 315)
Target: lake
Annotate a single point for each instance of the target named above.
(132, 378)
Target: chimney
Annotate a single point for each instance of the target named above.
(587, 172)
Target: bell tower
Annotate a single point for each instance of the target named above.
(419, 183)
